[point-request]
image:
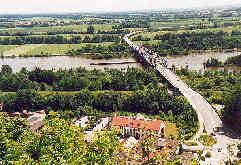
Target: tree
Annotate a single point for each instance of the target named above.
(6, 69)
(58, 142)
(90, 30)
(29, 99)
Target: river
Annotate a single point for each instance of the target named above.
(194, 62)
(62, 62)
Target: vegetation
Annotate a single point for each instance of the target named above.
(99, 51)
(46, 49)
(133, 24)
(77, 79)
(148, 101)
(187, 42)
(219, 87)
(232, 110)
(147, 96)
(58, 39)
(191, 143)
(213, 85)
(58, 142)
(233, 61)
(207, 140)
(90, 50)
(212, 62)
(53, 30)
(67, 94)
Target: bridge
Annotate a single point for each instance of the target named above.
(207, 116)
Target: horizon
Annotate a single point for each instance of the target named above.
(74, 6)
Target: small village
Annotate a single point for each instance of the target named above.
(135, 132)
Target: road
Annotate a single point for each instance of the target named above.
(207, 116)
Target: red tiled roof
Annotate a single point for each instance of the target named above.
(135, 123)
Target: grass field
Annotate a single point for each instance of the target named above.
(20, 50)
(41, 49)
(79, 28)
(193, 21)
(171, 129)
(5, 48)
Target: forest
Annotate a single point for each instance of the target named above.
(51, 39)
(136, 91)
(186, 42)
(61, 32)
(76, 79)
(102, 51)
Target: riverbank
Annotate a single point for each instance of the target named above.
(231, 64)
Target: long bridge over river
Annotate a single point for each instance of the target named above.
(207, 116)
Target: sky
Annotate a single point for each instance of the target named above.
(60, 6)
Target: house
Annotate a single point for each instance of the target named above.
(138, 126)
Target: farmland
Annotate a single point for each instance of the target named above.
(5, 48)
(42, 30)
(40, 49)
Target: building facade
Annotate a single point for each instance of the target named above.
(138, 126)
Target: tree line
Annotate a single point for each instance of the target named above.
(90, 30)
(76, 79)
(231, 61)
(184, 43)
(20, 40)
(151, 101)
(135, 90)
(102, 51)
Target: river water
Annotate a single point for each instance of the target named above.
(62, 62)
(194, 62)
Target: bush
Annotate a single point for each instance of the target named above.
(207, 140)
